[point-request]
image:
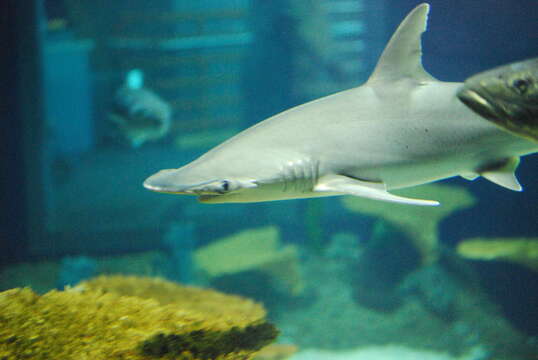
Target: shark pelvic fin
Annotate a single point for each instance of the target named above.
(371, 190)
(402, 57)
(503, 174)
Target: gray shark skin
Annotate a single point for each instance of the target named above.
(401, 128)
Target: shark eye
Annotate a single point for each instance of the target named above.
(521, 85)
(222, 187)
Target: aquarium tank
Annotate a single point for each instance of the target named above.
(394, 218)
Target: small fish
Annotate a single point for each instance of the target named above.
(400, 129)
(140, 114)
(506, 96)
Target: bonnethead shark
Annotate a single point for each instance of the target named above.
(400, 129)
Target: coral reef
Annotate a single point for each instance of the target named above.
(97, 320)
(436, 289)
(522, 251)
(419, 223)
(386, 259)
(252, 249)
(452, 319)
(207, 303)
(344, 246)
(206, 344)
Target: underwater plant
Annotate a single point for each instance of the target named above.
(211, 304)
(420, 224)
(522, 251)
(208, 344)
(386, 259)
(103, 319)
(260, 249)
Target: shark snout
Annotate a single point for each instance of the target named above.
(164, 181)
(176, 181)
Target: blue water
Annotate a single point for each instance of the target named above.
(223, 66)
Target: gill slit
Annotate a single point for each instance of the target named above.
(300, 176)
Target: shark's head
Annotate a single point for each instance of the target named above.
(507, 96)
(190, 180)
(225, 174)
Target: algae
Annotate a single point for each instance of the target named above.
(210, 344)
(252, 249)
(419, 223)
(228, 309)
(522, 251)
(90, 322)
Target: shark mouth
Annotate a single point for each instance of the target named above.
(203, 196)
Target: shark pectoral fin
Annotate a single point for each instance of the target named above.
(348, 186)
(503, 174)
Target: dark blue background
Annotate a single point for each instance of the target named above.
(463, 37)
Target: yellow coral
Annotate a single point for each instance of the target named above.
(419, 223)
(250, 249)
(229, 310)
(94, 324)
(523, 251)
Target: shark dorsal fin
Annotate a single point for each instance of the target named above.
(402, 57)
